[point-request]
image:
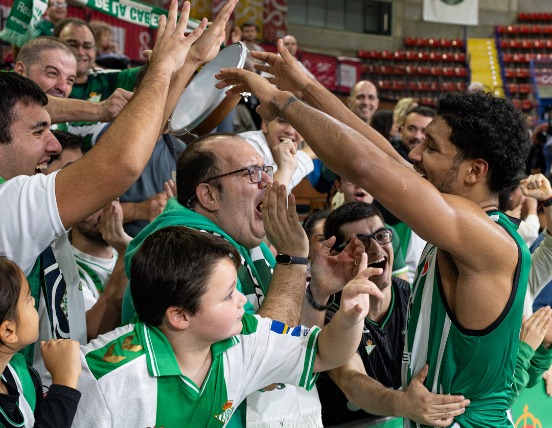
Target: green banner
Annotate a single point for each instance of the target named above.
(25, 14)
(21, 23)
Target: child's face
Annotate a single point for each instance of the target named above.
(352, 192)
(27, 323)
(221, 308)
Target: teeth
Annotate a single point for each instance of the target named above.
(373, 262)
(42, 166)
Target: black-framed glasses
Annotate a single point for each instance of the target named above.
(255, 173)
(381, 236)
(76, 45)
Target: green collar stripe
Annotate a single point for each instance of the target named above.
(2, 180)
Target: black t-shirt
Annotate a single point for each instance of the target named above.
(381, 351)
(56, 410)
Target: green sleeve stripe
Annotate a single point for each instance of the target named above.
(308, 377)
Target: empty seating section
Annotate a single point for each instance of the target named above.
(518, 44)
(425, 68)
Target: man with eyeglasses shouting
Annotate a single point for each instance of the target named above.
(91, 84)
(225, 188)
(383, 337)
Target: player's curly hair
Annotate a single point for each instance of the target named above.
(490, 128)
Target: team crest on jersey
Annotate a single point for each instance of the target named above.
(228, 409)
(425, 268)
(369, 346)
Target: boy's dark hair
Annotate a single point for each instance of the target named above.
(312, 219)
(10, 288)
(68, 140)
(490, 128)
(172, 268)
(196, 165)
(15, 88)
(348, 213)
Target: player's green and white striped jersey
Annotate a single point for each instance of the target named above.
(477, 364)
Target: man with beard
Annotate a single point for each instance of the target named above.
(413, 129)
(99, 243)
(383, 335)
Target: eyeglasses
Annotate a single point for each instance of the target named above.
(58, 4)
(382, 236)
(76, 45)
(255, 173)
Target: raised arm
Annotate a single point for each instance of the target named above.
(338, 340)
(290, 76)
(450, 222)
(204, 50)
(284, 300)
(70, 110)
(120, 155)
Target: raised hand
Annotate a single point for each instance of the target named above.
(330, 273)
(288, 74)
(536, 186)
(281, 222)
(172, 46)
(111, 227)
(111, 107)
(241, 80)
(159, 201)
(355, 297)
(62, 359)
(534, 328)
(207, 47)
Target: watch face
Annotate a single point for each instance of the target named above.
(283, 258)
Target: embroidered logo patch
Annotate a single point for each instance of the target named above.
(227, 412)
(369, 347)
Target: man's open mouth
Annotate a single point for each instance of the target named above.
(381, 263)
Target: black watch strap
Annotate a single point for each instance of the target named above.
(291, 260)
(547, 203)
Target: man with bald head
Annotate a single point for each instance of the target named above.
(224, 188)
(363, 100)
(291, 44)
(50, 63)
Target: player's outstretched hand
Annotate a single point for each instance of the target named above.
(288, 74)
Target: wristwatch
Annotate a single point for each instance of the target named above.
(291, 260)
